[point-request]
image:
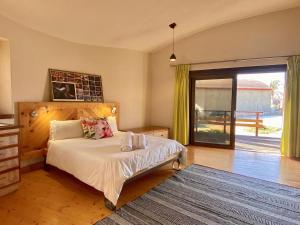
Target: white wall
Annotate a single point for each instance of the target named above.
(124, 72)
(269, 35)
(6, 106)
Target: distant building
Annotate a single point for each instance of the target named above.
(252, 95)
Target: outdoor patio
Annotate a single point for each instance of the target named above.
(258, 144)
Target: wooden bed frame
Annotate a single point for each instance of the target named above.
(108, 204)
(35, 118)
(173, 160)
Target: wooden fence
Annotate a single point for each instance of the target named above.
(257, 122)
(223, 118)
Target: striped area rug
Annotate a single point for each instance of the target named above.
(202, 195)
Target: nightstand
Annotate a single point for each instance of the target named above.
(152, 130)
(9, 159)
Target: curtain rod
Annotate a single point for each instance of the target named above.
(235, 60)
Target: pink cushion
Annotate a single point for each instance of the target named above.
(96, 128)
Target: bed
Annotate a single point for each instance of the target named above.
(102, 165)
(98, 163)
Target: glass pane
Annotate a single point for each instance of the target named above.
(213, 111)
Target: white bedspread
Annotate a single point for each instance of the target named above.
(102, 165)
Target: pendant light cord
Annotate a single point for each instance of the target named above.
(173, 57)
(173, 40)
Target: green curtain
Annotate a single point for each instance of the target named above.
(290, 145)
(181, 105)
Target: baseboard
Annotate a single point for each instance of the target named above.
(32, 167)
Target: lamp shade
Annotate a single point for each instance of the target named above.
(173, 58)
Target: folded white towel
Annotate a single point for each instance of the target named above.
(126, 142)
(132, 141)
(135, 141)
(138, 141)
(142, 141)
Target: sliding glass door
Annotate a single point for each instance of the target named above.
(213, 101)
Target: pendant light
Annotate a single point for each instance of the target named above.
(173, 57)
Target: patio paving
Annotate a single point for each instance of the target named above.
(258, 144)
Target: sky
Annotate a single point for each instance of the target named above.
(265, 77)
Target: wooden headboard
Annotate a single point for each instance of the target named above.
(36, 116)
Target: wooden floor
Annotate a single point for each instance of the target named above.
(56, 198)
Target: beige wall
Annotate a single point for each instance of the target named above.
(269, 35)
(6, 106)
(124, 72)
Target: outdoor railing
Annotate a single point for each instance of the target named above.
(217, 117)
(257, 122)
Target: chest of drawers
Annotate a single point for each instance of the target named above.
(153, 131)
(9, 159)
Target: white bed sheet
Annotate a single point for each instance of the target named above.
(102, 165)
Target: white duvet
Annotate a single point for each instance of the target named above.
(102, 165)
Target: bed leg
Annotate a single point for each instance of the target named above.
(109, 204)
(46, 167)
(178, 165)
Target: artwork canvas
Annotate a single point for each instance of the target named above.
(75, 86)
(64, 91)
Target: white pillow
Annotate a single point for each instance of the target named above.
(112, 122)
(67, 129)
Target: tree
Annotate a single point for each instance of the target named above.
(274, 85)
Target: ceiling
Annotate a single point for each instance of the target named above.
(132, 24)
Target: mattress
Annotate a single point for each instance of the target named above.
(102, 165)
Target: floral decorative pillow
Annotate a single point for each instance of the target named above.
(87, 125)
(96, 128)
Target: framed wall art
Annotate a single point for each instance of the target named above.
(75, 86)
